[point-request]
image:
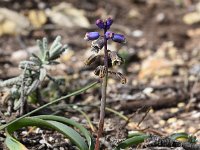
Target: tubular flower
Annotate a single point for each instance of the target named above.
(91, 36)
(119, 38)
(109, 35)
(100, 23)
(109, 22)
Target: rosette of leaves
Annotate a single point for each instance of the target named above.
(33, 73)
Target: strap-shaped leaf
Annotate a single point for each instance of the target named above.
(70, 122)
(58, 126)
(176, 136)
(135, 140)
(13, 144)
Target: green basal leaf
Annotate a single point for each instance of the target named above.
(58, 126)
(70, 122)
(70, 133)
(135, 140)
(13, 144)
(135, 134)
(176, 136)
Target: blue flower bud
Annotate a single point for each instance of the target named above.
(91, 36)
(109, 35)
(119, 38)
(109, 22)
(100, 24)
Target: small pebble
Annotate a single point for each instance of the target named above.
(2, 122)
(41, 146)
(160, 17)
(180, 105)
(1, 139)
(51, 139)
(38, 130)
(42, 141)
(24, 132)
(137, 33)
(171, 120)
(174, 110)
(148, 90)
(162, 122)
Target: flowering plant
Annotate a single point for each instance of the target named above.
(111, 58)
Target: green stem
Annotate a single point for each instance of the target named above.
(50, 103)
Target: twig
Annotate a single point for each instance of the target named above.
(143, 117)
(132, 116)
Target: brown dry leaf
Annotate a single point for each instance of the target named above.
(66, 15)
(37, 18)
(191, 18)
(12, 22)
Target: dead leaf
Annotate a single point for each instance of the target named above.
(66, 15)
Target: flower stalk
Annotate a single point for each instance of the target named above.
(110, 57)
(103, 92)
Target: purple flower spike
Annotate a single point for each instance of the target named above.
(109, 22)
(119, 38)
(100, 24)
(109, 35)
(91, 36)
